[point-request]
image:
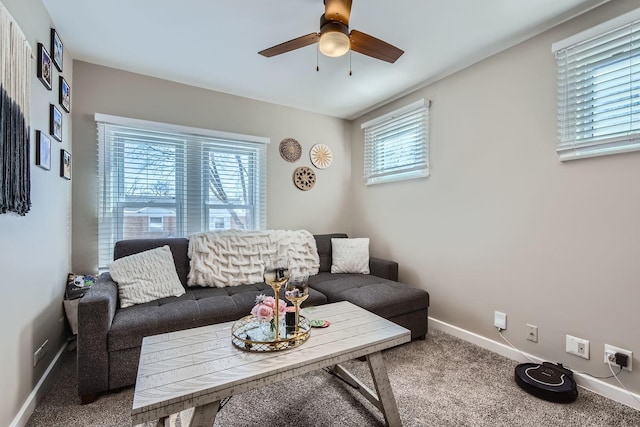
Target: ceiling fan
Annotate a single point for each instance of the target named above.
(335, 39)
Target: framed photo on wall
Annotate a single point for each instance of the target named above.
(44, 66)
(56, 49)
(65, 95)
(43, 150)
(55, 123)
(65, 164)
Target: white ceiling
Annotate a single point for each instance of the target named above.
(213, 44)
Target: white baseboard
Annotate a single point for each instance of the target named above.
(30, 404)
(585, 381)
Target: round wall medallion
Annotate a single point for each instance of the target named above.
(304, 178)
(290, 149)
(321, 156)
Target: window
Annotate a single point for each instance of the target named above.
(156, 224)
(396, 145)
(599, 89)
(158, 180)
(219, 223)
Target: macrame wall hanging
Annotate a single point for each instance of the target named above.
(15, 94)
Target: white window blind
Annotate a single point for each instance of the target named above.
(396, 145)
(157, 180)
(599, 89)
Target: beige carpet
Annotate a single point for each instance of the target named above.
(442, 381)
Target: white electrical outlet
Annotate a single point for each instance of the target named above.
(611, 350)
(532, 333)
(500, 320)
(577, 346)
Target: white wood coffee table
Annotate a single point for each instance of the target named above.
(197, 368)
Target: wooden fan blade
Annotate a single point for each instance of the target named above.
(291, 45)
(373, 47)
(337, 10)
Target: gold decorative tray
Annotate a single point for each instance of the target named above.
(248, 334)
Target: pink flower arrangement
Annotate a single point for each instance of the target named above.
(265, 307)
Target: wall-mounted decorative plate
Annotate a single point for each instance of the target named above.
(321, 156)
(304, 178)
(290, 149)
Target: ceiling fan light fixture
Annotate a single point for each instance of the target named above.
(334, 44)
(334, 38)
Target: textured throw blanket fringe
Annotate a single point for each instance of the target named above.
(15, 94)
(231, 258)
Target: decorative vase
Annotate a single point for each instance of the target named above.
(268, 329)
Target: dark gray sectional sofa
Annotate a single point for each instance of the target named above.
(109, 338)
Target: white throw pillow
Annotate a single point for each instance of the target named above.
(350, 255)
(146, 276)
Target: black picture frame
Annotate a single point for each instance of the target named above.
(65, 95)
(45, 70)
(65, 164)
(43, 150)
(57, 49)
(55, 122)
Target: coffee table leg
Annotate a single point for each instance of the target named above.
(201, 416)
(169, 421)
(382, 398)
(384, 390)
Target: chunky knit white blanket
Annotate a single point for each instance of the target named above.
(232, 258)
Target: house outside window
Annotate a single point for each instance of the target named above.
(396, 145)
(158, 180)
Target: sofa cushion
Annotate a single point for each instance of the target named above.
(146, 276)
(199, 306)
(350, 255)
(383, 297)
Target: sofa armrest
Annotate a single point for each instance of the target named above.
(95, 314)
(383, 268)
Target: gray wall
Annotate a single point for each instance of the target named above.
(501, 224)
(35, 249)
(97, 89)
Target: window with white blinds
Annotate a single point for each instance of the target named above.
(396, 145)
(599, 89)
(157, 180)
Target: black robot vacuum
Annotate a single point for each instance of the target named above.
(547, 381)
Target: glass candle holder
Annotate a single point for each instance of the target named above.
(296, 291)
(276, 274)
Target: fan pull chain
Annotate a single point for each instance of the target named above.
(350, 72)
(318, 58)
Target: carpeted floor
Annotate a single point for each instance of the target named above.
(430, 380)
